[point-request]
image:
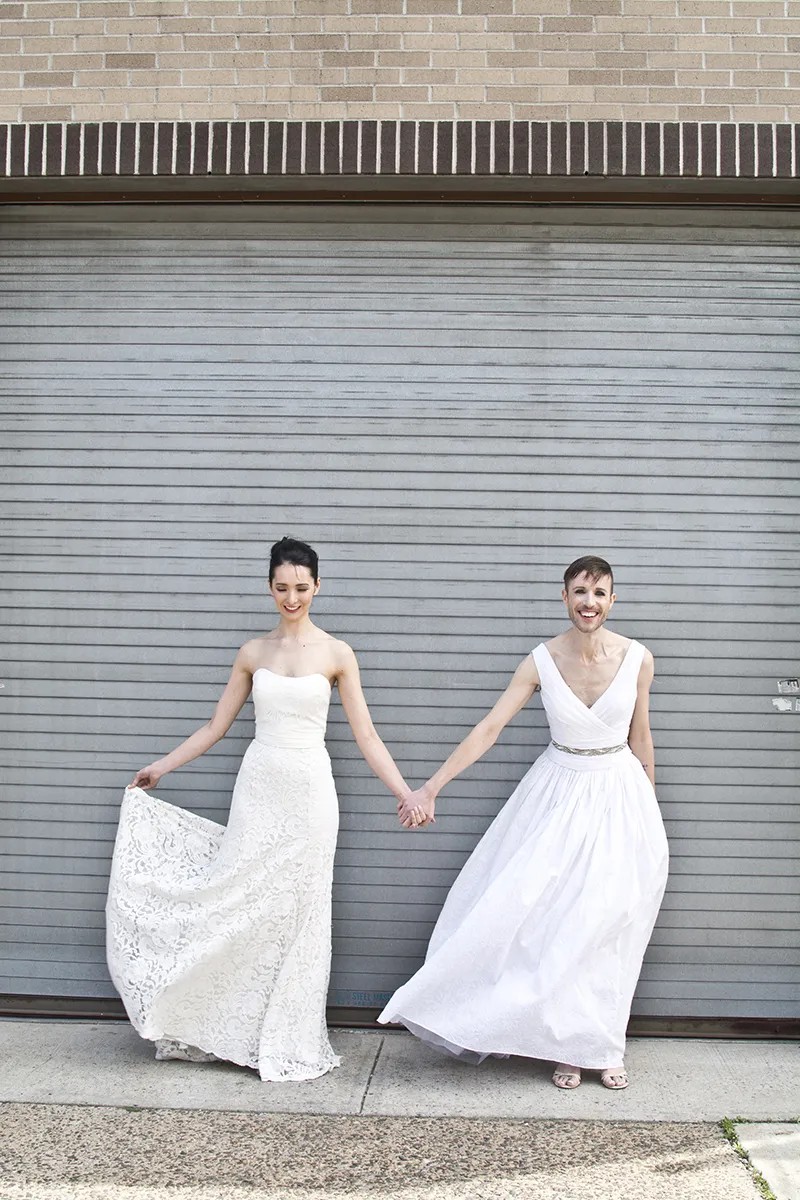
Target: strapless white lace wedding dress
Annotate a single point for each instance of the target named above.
(539, 945)
(220, 937)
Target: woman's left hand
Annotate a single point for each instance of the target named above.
(417, 809)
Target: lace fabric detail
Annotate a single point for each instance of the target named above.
(220, 937)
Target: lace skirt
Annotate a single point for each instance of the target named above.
(221, 937)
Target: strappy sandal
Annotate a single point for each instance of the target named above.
(566, 1080)
(615, 1081)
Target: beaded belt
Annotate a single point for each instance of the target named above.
(603, 750)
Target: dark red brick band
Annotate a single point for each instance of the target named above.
(630, 149)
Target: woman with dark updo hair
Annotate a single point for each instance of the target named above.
(219, 938)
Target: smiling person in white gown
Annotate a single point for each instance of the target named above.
(539, 946)
(219, 938)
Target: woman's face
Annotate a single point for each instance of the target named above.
(293, 588)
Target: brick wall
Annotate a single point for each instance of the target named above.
(655, 60)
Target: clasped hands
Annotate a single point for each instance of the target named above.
(416, 810)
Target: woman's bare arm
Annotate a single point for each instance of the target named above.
(640, 739)
(227, 710)
(524, 683)
(369, 743)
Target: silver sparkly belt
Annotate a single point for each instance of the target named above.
(602, 750)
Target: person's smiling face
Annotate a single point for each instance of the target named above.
(293, 588)
(588, 601)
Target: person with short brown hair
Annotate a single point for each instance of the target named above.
(539, 945)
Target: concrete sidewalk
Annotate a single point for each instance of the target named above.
(90, 1115)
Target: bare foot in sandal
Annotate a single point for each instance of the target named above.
(566, 1076)
(614, 1078)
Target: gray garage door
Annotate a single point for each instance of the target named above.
(451, 404)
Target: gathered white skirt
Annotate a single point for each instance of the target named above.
(539, 946)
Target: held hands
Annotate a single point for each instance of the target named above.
(417, 809)
(148, 777)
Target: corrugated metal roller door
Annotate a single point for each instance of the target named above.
(451, 404)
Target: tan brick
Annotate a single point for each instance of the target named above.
(740, 28)
(703, 112)
(10, 112)
(695, 42)
(684, 26)
(368, 6)
(731, 62)
(375, 41)
(516, 59)
(48, 45)
(346, 93)
(550, 94)
(416, 24)
(541, 112)
(29, 95)
(555, 76)
(39, 9)
(433, 41)
(246, 60)
(10, 45)
(653, 9)
(9, 80)
(31, 113)
(157, 44)
(594, 112)
(484, 112)
(793, 45)
(362, 75)
(214, 112)
(703, 78)
(48, 79)
(567, 24)
(210, 41)
(194, 61)
(131, 62)
(715, 95)
(77, 62)
(158, 8)
(430, 6)
(198, 78)
(567, 59)
(761, 113)
(606, 7)
(784, 25)
(426, 112)
(512, 95)
(703, 8)
(149, 25)
(183, 25)
(316, 78)
(101, 79)
(673, 95)
(407, 58)
(649, 112)
(487, 6)
(159, 79)
(419, 75)
(401, 93)
(621, 58)
(258, 25)
(778, 95)
(501, 42)
(778, 61)
(322, 7)
(543, 8)
(13, 11)
(105, 8)
(757, 8)
(620, 95)
(648, 78)
(106, 44)
(26, 28)
(595, 77)
(620, 25)
(661, 43)
(680, 61)
(759, 45)
(73, 28)
(11, 62)
(494, 75)
(349, 25)
(457, 59)
(348, 58)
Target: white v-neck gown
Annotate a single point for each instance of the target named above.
(539, 946)
(219, 936)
